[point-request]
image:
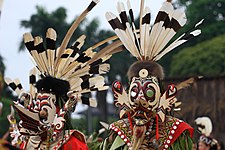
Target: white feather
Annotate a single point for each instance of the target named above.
(157, 28)
(206, 122)
(51, 33)
(42, 56)
(167, 34)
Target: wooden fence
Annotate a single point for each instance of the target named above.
(206, 97)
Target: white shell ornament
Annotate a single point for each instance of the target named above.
(143, 73)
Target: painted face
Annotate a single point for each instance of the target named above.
(144, 94)
(45, 106)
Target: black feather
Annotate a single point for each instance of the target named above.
(32, 79)
(50, 43)
(30, 45)
(82, 58)
(40, 48)
(91, 6)
(146, 19)
(85, 100)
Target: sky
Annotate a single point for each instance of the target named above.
(18, 64)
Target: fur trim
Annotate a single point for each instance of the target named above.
(53, 85)
(153, 68)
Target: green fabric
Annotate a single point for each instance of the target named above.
(94, 144)
(117, 143)
(184, 142)
(104, 144)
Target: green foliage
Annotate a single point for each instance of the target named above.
(120, 63)
(3, 117)
(94, 141)
(6, 98)
(42, 20)
(211, 11)
(80, 124)
(213, 25)
(2, 70)
(2, 66)
(4, 91)
(206, 58)
(183, 142)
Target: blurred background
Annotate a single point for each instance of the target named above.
(202, 56)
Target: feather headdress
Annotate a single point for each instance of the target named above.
(205, 127)
(150, 42)
(65, 69)
(67, 76)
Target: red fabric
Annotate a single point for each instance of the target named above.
(130, 121)
(23, 145)
(184, 126)
(181, 128)
(157, 127)
(74, 144)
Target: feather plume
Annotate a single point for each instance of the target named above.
(126, 37)
(87, 101)
(29, 43)
(149, 43)
(71, 60)
(161, 17)
(205, 125)
(81, 70)
(144, 33)
(88, 83)
(128, 28)
(33, 82)
(38, 45)
(74, 27)
(187, 83)
(105, 125)
(63, 62)
(14, 85)
(50, 46)
(177, 21)
(134, 30)
(182, 39)
(107, 51)
(79, 43)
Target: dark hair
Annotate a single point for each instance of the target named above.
(153, 68)
(208, 141)
(53, 85)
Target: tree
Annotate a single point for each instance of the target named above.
(206, 59)
(2, 70)
(211, 11)
(3, 118)
(4, 90)
(213, 25)
(42, 20)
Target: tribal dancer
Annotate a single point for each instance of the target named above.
(145, 123)
(206, 141)
(66, 76)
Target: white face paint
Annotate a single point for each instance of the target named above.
(144, 95)
(45, 104)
